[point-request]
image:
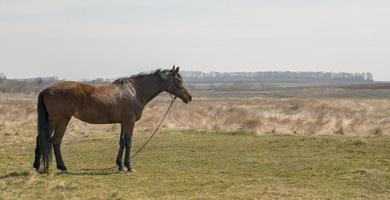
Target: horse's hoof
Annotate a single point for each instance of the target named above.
(36, 169)
(131, 171)
(121, 168)
(36, 166)
(62, 168)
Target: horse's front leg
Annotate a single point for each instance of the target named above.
(125, 142)
(128, 141)
(119, 160)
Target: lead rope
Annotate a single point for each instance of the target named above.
(150, 138)
(155, 131)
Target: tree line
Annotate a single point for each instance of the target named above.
(34, 85)
(277, 76)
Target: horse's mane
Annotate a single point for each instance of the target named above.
(132, 78)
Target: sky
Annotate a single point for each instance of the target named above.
(75, 39)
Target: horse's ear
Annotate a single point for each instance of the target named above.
(173, 68)
(175, 71)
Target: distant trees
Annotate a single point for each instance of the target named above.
(277, 76)
(24, 85)
(98, 81)
(2, 77)
(34, 85)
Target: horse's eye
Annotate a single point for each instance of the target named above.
(178, 84)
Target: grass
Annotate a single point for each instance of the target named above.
(351, 117)
(205, 165)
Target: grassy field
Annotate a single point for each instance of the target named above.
(297, 116)
(204, 165)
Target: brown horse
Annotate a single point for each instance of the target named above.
(120, 102)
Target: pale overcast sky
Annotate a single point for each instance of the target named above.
(76, 39)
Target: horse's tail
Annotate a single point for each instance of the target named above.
(44, 134)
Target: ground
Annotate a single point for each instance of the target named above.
(185, 164)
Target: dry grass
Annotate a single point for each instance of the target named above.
(360, 117)
(286, 116)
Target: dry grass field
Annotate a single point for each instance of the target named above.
(304, 116)
(303, 145)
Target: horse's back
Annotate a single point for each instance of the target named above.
(86, 102)
(70, 86)
(67, 92)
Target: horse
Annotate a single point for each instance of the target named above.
(121, 102)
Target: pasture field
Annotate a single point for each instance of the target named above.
(297, 116)
(277, 143)
(185, 164)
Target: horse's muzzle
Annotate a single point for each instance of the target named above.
(186, 97)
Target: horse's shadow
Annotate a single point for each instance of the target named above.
(15, 174)
(79, 172)
(89, 172)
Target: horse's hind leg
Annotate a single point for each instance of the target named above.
(56, 141)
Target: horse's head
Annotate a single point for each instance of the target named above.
(174, 84)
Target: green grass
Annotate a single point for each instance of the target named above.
(205, 165)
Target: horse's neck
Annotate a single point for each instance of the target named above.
(148, 88)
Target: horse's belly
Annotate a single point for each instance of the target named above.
(96, 117)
